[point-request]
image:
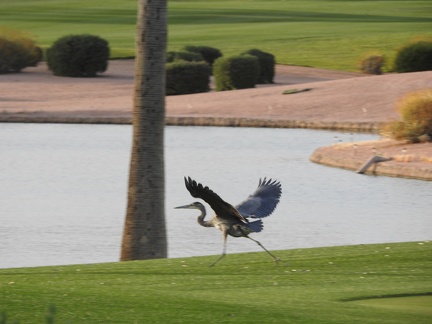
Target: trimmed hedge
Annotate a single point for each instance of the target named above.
(184, 77)
(267, 65)
(183, 56)
(210, 54)
(17, 54)
(414, 57)
(78, 56)
(236, 72)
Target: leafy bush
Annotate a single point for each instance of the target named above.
(267, 65)
(372, 64)
(78, 56)
(414, 57)
(17, 52)
(184, 56)
(415, 110)
(184, 77)
(210, 54)
(236, 72)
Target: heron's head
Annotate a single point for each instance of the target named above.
(194, 205)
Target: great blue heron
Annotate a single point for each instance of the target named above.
(234, 220)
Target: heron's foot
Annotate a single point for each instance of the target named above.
(213, 263)
(217, 260)
(280, 262)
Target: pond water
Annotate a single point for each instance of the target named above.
(63, 192)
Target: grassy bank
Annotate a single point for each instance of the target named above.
(327, 34)
(323, 285)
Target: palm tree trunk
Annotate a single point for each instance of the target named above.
(144, 235)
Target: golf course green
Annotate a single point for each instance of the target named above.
(383, 283)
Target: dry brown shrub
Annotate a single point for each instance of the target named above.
(415, 110)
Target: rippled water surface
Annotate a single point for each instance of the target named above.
(63, 192)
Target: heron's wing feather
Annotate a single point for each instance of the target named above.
(256, 226)
(220, 207)
(263, 201)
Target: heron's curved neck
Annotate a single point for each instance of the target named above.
(201, 217)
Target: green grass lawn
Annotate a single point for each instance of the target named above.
(321, 285)
(332, 34)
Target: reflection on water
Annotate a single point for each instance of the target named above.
(63, 192)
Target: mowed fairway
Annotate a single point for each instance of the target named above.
(385, 283)
(328, 34)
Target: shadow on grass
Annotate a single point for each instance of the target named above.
(415, 303)
(386, 296)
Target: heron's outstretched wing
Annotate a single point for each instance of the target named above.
(256, 226)
(263, 201)
(220, 207)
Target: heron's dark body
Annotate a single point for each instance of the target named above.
(231, 227)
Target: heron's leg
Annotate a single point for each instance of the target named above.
(276, 259)
(225, 234)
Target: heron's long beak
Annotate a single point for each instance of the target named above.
(184, 207)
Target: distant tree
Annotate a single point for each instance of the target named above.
(144, 235)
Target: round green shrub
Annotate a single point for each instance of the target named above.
(210, 54)
(78, 56)
(184, 77)
(414, 57)
(236, 72)
(267, 65)
(17, 54)
(173, 56)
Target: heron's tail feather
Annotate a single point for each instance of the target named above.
(256, 226)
